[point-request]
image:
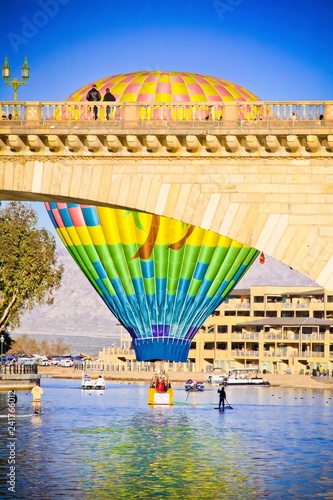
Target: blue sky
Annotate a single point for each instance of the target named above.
(278, 49)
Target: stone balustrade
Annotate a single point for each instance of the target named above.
(185, 112)
(233, 129)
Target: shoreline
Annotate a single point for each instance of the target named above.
(275, 380)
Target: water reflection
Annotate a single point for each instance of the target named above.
(113, 445)
(171, 455)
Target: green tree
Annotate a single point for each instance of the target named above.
(29, 271)
(26, 345)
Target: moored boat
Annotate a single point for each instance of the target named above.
(245, 376)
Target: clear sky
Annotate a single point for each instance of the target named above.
(278, 49)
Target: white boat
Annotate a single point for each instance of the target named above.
(217, 377)
(245, 376)
(89, 384)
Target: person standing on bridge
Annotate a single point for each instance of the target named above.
(94, 95)
(108, 97)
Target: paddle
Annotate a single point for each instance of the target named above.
(229, 404)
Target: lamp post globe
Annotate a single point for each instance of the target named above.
(15, 83)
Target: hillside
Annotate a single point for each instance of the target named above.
(77, 307)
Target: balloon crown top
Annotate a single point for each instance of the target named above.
(167, 86)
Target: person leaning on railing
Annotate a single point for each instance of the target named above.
(108, 97)
(94, 95)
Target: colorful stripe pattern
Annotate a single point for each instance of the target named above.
(161, 278)
(167, 86)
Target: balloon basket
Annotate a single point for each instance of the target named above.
(160, 391)
(160, 398)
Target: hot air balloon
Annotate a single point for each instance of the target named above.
(161, 278)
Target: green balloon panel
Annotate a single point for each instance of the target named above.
(161, 278)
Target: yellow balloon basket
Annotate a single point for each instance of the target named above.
(160, 391)
(160, 398)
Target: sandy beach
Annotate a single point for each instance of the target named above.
(275, 380)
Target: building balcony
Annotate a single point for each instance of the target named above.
(313, 336)
(318, 306)
(304, 337)
(245, 336)
(281, 336)
(272, 306)
(292, 354)
(235, 306)
(273, 336)
(237, 353)
(286, 305)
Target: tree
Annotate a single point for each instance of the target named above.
(28, 346)
(29, 272)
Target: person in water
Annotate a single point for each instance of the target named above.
(36, 392)
(223, 397)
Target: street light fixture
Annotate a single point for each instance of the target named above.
(2, 339)
(15, 83)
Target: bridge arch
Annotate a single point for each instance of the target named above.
(286, 215)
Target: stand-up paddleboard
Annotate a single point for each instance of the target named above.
(201, 405)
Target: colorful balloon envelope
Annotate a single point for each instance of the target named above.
(161, 278)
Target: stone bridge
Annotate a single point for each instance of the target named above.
(258, 172)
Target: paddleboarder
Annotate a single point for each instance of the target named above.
(223, 397)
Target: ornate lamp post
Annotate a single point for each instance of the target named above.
(25, 72)
(2, 339)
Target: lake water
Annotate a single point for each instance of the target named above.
(275, 443)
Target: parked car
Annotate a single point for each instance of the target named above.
(56, 361)
(43, 360)
(66, 362)
(28, 361)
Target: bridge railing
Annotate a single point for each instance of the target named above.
(196, 112)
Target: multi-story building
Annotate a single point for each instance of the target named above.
(282, 329)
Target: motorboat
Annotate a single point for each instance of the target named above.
(245, 376)
(89, 384)
(193, 385)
